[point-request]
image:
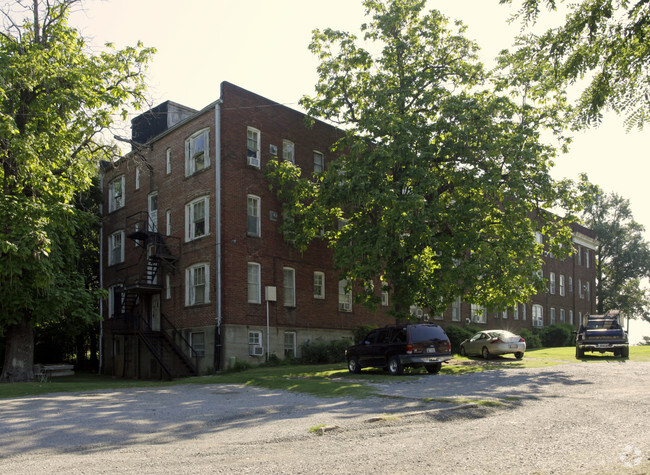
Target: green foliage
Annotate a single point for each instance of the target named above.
(360, 332)
(56, 99)
(602, 41)
(533, 340)
(622, 256)
(457, 334)
(556, 335)
(438, 183)
(321, 352)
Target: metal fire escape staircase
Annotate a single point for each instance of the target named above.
(163, 340)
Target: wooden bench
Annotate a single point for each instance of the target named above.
(44, 372)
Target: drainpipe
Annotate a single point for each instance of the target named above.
(217, 167)
(101, 272)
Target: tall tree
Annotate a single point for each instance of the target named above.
(439, 184)
(622, 257)
(56, 99)
(603, 42)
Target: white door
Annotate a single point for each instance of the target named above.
(153, 212)
(155, 313)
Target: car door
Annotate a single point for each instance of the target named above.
(379, 348)
(366, 347)
(473, 346)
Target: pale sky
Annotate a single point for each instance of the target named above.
(262, 46)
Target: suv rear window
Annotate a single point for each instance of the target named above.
(422, 333)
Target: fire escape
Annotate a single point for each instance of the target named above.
(140, 317)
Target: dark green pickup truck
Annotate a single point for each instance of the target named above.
(602, 333)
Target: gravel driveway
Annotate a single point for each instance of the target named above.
(577, 418)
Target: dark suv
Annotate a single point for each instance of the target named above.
(398, 346)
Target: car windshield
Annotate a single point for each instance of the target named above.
(427, 333)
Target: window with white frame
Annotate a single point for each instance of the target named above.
(579, 253)
(168, 286)
(345, 296)
(197, 341)
(523, 311)
(254, 283)
(504, 314)
(289, 286)
(116, 248)
(137, 178)
(552, 315)
(515, 312)
(478, 313)
(455, 310)
(197, 152)
(253, 147)
(562, 286)
(562, 316)
(168, 160)
(580, 289)
(571, 317)
(255, 338)
(288, 151)
(115, 300)
(197, 284)
(319, 162)
(319, 285)
(253, 224)
(538, 315)
(116, 194)
(587, 262)
(539, 238)
(290, 344)
(570, 284)
(197, 223)
(168, 222)
(551, 282)
(384, 294)
(588, 289)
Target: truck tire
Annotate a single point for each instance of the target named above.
(625, 352)
(580, 353)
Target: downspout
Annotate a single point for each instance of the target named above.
(101, 272)
(217, 167)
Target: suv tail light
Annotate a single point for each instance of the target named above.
(409, 349)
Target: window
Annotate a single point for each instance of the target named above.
(253, 215)
(571, 317)
(562, 287)
(115, 300)
(319, 285)
(196, 224)
(168, 160)
(562, 316)
(116, 248)
(588, 290)
(288, 151)
(579, 256)
(345, 296)
(384, 294)
(253, 147)
(197, 156)
(551, 282)
(515, 312)
(289, 344)
(168, 286)
(538, 315)
(137, 178)
(318, 162)
(552, 316)
(255, 338)
(539, 238)
(254, 283)
(455, 310)
(523, 311)
(289, 286)
(479, 314)
(197, 284)
(587, 258)
(197, 341)
(504, 314)
(116, 194)
(168, 223)
(580, 289)
(570, 284)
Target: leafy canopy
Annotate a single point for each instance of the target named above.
(603, 44)
(439, 182)
(56, 100)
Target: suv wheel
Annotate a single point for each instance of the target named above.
(580, 353)
(434, 368)
(353, 365)
(625, 352)
(395, 366)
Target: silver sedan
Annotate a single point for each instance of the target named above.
(490, 343)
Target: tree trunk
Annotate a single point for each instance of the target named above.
(19, 353)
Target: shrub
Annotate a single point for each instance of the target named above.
(359, 333)
(557, 335)
(456, 335)
(532, 339)
(323, 352)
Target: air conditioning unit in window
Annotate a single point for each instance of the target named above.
(426, 317)
(345, 306)
(253, 161)
(273, 150)
(255, 350)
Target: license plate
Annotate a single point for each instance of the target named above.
(602, 345)
(513, 347)
(431, 350)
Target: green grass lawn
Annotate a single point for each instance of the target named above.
(319, 380)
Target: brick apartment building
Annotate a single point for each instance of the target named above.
(199, 275)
